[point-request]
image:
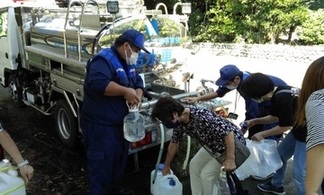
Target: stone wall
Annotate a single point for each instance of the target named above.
(303, 54)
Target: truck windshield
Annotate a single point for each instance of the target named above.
(159, 31)
(166, 38)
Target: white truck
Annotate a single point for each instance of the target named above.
(44, 51)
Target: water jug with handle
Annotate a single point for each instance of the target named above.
(134, 129)
(10, 182)
(221, 185)
(170, 185)
(155, 181)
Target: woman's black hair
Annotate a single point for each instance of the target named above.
(257, 85)
(164, 109)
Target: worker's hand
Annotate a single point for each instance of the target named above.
(249, 123)
(257, 137)
(190, 100)
(166, 170)
(26, 172)
(229, 165)
(131, 97)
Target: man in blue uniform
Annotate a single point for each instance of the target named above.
(110, 84)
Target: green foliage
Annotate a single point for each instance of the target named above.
(312, 30)
(316, 4)
(254, 21)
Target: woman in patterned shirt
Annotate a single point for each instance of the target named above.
(311, 112)
(208, 128)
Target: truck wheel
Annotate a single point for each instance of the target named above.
(66, 123)
(15, 91)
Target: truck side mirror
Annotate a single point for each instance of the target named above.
(112, 6)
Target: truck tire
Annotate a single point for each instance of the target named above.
(14, 90)
(66, 124)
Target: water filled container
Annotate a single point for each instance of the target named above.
(169, 185)
(134, 129)
(159, 175)
(10, 183)
(220, 185)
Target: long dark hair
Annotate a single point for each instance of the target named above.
(313, 81)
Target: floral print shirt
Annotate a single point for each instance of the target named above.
(208, 128)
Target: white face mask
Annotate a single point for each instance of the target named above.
(133, 58)
(231, 87)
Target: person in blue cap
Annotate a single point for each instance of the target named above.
(231, 78)
(111, 82)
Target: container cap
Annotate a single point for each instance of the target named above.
(172, 182)
(161, 166)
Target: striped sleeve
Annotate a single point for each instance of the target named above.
(315, 119)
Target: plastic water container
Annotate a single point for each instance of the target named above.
(134, 129)
(159, 175)
(10, 183)
(220, 186)
(170, 185)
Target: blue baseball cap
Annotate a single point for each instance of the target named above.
(134, 37)
(227, 73)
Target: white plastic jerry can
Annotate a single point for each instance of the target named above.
(158, 176)
(11, 184)
(156, 180)
(170, 185)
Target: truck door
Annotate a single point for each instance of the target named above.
(8, 41)
(4, 56)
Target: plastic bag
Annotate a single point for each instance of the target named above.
(263, 161)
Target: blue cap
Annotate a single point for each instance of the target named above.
(135, 37)
(161, 166)
(172, 182)
(227, 73)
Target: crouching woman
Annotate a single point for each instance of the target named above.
(211, 130)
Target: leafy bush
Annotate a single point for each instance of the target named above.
(312, 30)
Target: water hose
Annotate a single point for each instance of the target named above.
(160, 152)
(185, 163)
